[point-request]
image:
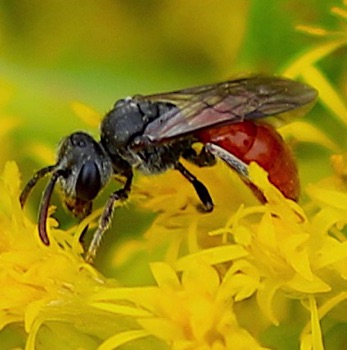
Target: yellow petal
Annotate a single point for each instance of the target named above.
(265, 297)
(122, 310)
(122, 338)
(212, 256)
(302, 285)
(306, 132)
(327, 93)
(311, 57)
(201, 278)
(165, 276)
(293, 249)
(162, 329)
(335, 199)
(317, 341)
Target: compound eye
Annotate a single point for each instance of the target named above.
(88, 182)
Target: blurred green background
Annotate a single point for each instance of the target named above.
(53, 53)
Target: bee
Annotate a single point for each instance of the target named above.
(152, 133)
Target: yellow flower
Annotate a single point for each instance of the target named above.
(212, 269)
(190, 312)
(270, 253)
(45, 288)
(181, 228)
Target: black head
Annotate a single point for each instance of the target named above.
(86, 166)
(82, 170)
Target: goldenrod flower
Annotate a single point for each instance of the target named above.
(274, 252)
(45, 288)
(213, 267)
(193, 311)
(271, 252)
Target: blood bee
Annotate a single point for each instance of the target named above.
(259, 142)
(151, 133)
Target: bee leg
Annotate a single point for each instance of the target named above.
(234, 162)
(201, 159)
(88, 211)
(106, 216)
(238, 165)
(200, 188)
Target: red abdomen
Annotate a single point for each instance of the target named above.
(261, 143)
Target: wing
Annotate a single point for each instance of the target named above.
(228, 102)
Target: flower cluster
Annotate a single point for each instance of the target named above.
(266, 257)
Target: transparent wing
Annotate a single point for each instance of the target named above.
(228, 102)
